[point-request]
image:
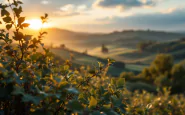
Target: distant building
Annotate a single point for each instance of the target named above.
(104, 49)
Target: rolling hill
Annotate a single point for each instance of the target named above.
(122, 46)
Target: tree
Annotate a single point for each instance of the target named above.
(141, 46)
(178, 78)
(159, 71)
(62, 46)
(127, 75)
(85, 52)
(163, 63)
(104, 49)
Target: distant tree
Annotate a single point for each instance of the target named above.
(146, 74)
(160, 67)
(104, 49)
(127, 75)
(62, 46)
(143, 45)
(178, 72)
(85, 52)
(163, 63)
(178, 78)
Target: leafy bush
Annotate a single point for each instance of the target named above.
(127, 75)
(163, 73)
(32, 83)
(143, 45)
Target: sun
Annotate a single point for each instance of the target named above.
(36, 24)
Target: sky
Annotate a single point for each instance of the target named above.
(109, 15)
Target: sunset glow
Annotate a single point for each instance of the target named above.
(36, 24)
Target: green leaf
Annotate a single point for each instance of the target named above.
(102, 90)
(113, 81)
(8, 26)
(110, 112)
(120, 83)
(75, 106)
(96, 113)
(100, 65)
(30, 98)
(110, 61)
(106, 111)
(93, 102)
(18, 90)
(116, 101)
(7, 19)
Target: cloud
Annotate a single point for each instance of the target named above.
(82, 7)
(167, 21)
(70, 10)
(45, 2)
(6, 1)
(172, 21)
(123, 4)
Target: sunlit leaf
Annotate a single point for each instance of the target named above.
(25, 25)
(93, 102)
(21, 20)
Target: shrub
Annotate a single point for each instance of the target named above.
(33, 83)
(127, 75)
(163, 63)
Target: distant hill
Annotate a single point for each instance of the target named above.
(129, 38)
(81, 59)
(122, 45)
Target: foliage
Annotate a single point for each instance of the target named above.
(33, 83)
(127, 75)
(163, 63)
(143, 45)
(148, 104)
(104, 49)
(164, 73)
